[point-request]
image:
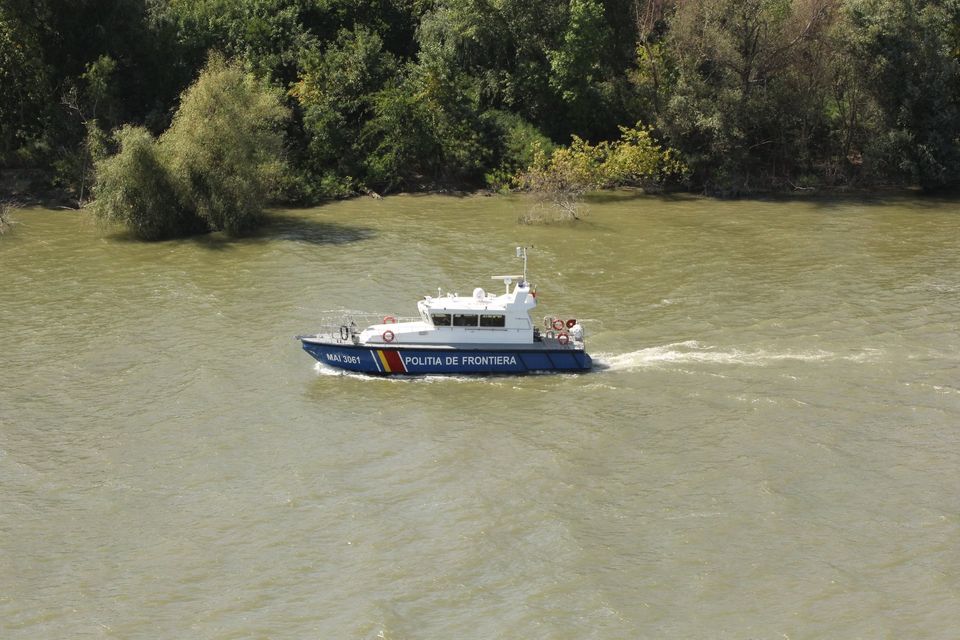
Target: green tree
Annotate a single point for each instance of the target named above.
(377, 124)
(516, 146)
(576, 63)
(401, 139)
(910, 52)
(427, 130)
(336, 95)
(67, 48)
(558, 181)
(739, 88)
(225, 145)
(134, 188)
(75, 165)
(211, 170)
(25, 82)
(268, 35)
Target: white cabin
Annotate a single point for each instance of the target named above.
(482, 318)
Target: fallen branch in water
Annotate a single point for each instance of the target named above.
(6, 206)
(798, 187)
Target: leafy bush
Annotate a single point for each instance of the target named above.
(336, 92)
(211, 170)
(518, 143)
(559, 180)
(402, 138)
(134, 188)
(224, 146)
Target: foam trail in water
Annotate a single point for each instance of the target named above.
(324, 370)
(692, 351)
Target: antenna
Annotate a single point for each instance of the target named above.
(522, 253)
(508, 280)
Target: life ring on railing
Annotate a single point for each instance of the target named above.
(344, 332)
(550, 335)
(388, 336)
(564, 338)
(557, 324)
(389, 320)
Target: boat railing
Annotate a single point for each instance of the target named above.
(364, 320)
(345, 328)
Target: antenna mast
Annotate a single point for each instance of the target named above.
(522, 253)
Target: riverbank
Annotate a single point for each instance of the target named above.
(24, 188)
(32, 188)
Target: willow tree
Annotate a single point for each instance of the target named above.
(133, 188)
(211, 170)
(224, 145)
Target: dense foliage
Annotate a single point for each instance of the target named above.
(414, 94)
(211, 170)
(559, 179)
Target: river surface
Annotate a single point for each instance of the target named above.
(768, 448)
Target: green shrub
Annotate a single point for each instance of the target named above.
(134, 188)
(519, 141)
(558, 180)
(211, 171)
(224, 146)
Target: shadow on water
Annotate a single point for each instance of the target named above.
(624, 195)
(283, 226)
(277, 226)
(879, 197)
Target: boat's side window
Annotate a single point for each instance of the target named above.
(464, 320)
(493, 320)
(440, 319)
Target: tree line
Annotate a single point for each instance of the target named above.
(387, 95)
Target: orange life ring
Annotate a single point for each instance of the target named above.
(571, 322)
(388, 336)
(563, 338)
(558, 324)
(389, 319)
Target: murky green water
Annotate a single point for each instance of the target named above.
(770, 449)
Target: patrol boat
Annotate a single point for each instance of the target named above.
(479, 334)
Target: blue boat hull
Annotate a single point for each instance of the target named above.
(420, 361)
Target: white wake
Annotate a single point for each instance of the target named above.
(694, 352)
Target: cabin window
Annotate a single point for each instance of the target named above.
(464, 320)
(440, 319)
(493, 320)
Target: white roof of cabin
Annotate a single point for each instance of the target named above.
(475, 303)
(462, 303)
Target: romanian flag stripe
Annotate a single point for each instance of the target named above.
(391, 360)
(396, 362)
(383, 361)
